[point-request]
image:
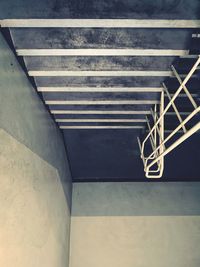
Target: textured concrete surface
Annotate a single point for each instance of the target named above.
(35, 181)
(160, 9)
(136, 199)
(34, 215)
(100, 38)
(99, 63)
(99, 81)
(135, 224)
(67, 38)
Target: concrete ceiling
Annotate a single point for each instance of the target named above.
(157, 9)
(87, 89)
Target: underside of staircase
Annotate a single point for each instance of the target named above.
(101, 73)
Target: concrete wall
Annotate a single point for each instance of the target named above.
(135, 225)
(35, 181)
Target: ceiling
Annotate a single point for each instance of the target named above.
(99, 79)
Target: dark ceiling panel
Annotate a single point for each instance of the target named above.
(169, 9)
(100, 96)
(113, 155)
(99, 63)
(100, 81)
(101, 107)
(59, 38)
(103, 153)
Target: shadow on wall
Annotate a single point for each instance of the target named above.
(136, 199)
(24, 117)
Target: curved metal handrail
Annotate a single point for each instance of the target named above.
(157, 131)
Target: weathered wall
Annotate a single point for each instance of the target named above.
(35, 181)
(135, 224)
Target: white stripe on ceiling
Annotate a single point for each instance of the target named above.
(99, 23)
(101, 102)
(104, 112)
(101, 52)
(100, 89)
(100, 120)
(49, 73)
(100, 127)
